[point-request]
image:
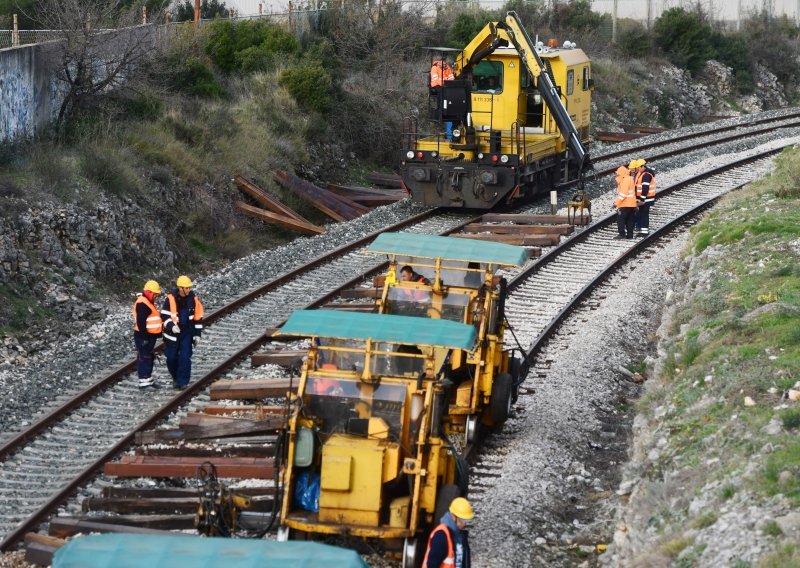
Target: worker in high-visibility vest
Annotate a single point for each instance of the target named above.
(441, 72)
(448, 546)
(645, 182)
(147, 327)
(625, 202)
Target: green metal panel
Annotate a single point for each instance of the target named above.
(381, 327)
(167, 551)
(448, 248)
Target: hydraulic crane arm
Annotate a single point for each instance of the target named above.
(530, 58)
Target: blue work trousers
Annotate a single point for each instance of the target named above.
(179, 359)
(145, 344)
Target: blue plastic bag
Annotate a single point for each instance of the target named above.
(306, 491)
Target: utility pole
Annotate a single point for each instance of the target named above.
(650, 13)
(196, 14)
(614, 23)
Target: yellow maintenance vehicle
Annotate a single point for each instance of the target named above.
(513, 116)
(455, 279)
(366, 455)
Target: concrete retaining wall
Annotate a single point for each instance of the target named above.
(29, 98)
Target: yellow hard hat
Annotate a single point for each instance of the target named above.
(461, 508)
(642, 162)
(152, 286)
(184, 282)
(633, 164)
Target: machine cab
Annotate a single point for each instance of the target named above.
(365, 455)
(456, 279)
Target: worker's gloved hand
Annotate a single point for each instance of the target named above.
(195, 340)
(176, 328)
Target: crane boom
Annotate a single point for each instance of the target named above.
(530, 58)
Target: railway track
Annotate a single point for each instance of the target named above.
(32, 452)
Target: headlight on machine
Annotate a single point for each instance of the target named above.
(410, 154)
(504, 159)
(488, 177)
(456, 133)
(421, 174)
(480, 156)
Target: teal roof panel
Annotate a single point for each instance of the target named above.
(167, 551)
(448, 248)
(380, 327)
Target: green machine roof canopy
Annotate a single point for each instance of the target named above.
(448, 248)
(168, 551)
(381, 327)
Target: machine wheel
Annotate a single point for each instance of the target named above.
(410, 553)
(515, 370)
(443, 500)
(283, 534)
(500, 402)
(470, 428)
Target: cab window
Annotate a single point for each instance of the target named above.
(487, 77)
(586, 78)
(570, 81)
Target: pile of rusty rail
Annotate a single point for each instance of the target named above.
(238, 437)
(339, 202)
(530, 231)
(629, 132)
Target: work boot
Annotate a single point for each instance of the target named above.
(150, 386)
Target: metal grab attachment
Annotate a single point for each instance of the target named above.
(577, 204)
(219, 507)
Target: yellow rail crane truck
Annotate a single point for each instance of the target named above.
(513, 119)
(366, 455)
(456, 279)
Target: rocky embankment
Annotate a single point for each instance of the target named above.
(713, 478)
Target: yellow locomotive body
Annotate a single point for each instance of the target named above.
(517, 114)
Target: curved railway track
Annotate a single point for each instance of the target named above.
(56, 453)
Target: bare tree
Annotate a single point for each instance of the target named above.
(103, 44)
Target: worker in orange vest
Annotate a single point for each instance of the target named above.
(625, 202)
(147, 328)
(645, 182)
(441, 72)
(448, 546)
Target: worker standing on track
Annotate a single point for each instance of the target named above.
(183, 325)
(625, 202)
(448, 545)
(645, 182)
(147, 327)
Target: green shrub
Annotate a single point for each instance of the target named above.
(248, 45)
(728, 491)
(110, 170)
(791, 418)
(684, 38)
(634, 40)
(310, 85)
(733, 50)
(466, 26)
(771, 528)
(193, 77)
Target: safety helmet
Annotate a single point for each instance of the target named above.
(152, 286)
(184, 282)
(633, 164)
(461, 508)
(642, 162)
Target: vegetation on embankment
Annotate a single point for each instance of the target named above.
(324, 97)
(717, 449)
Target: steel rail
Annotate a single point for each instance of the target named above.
(24, 436)
(689, 136)
(638, 246)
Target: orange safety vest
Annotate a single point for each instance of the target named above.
(645, 188)
(196, 315)
(451, 555)
(440, 72)
(626, 189)
(154, 324)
